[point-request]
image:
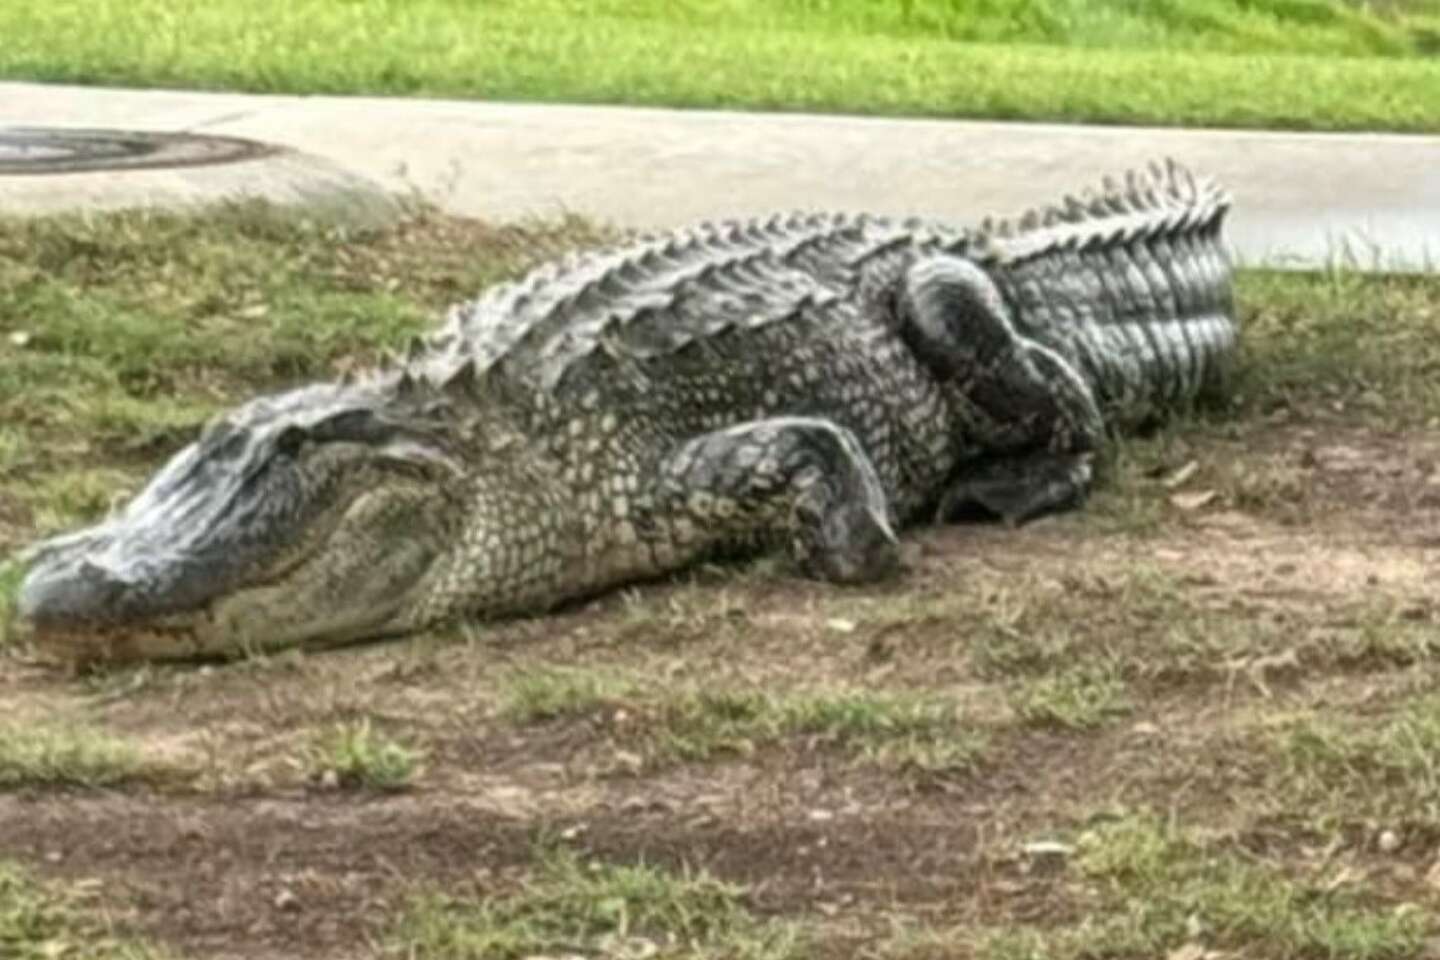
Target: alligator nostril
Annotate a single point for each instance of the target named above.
(95, 573)
(102, 581)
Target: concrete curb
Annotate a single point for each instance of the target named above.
(1302, 199)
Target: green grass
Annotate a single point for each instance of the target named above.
(357, 756)
(1150, 888)
(40, 922)
(1162, 887)
(1156, 890)
(60, 756)
(1359, 345)
(534, 696)
(1338, 756)
(10, 576)
(1074, 699)
(692, 723)
(570, 907)
(1318, 64)
(120, 336)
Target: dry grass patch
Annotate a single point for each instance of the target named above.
(67, 756)
(1074, 699)
(1161, 887)
(1386, 765)
(696, 723)
(1138, 884)
(124, 333)
(593, 908)
(51, 922)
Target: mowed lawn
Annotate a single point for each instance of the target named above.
(1309, 64)
(1196, 719)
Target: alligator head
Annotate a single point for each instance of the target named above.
(308, 517)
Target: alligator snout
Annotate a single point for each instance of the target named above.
(81, 610)
(65, 593)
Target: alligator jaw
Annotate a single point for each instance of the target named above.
(77, 604)
(80, 648)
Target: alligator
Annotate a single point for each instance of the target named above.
(809, 382)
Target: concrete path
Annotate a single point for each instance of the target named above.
(61, 169)
(1301, 199)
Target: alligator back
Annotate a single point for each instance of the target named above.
(657, 295)
(1131, 285)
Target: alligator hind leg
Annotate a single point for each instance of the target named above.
(1026, 407)
(801, 478)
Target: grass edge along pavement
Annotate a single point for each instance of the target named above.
(1315, 65)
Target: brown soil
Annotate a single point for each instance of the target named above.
(249, 855)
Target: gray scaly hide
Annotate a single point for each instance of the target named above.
(812, 382)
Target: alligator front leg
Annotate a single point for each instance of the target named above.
(800, 479)
(1026, 407)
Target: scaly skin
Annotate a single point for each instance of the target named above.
(816, 382)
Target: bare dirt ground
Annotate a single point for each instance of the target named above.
(1196, 719)
(1221, 625)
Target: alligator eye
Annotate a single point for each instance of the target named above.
(291, 440)
(355, 425)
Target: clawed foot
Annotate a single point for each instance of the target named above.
(850, 543)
